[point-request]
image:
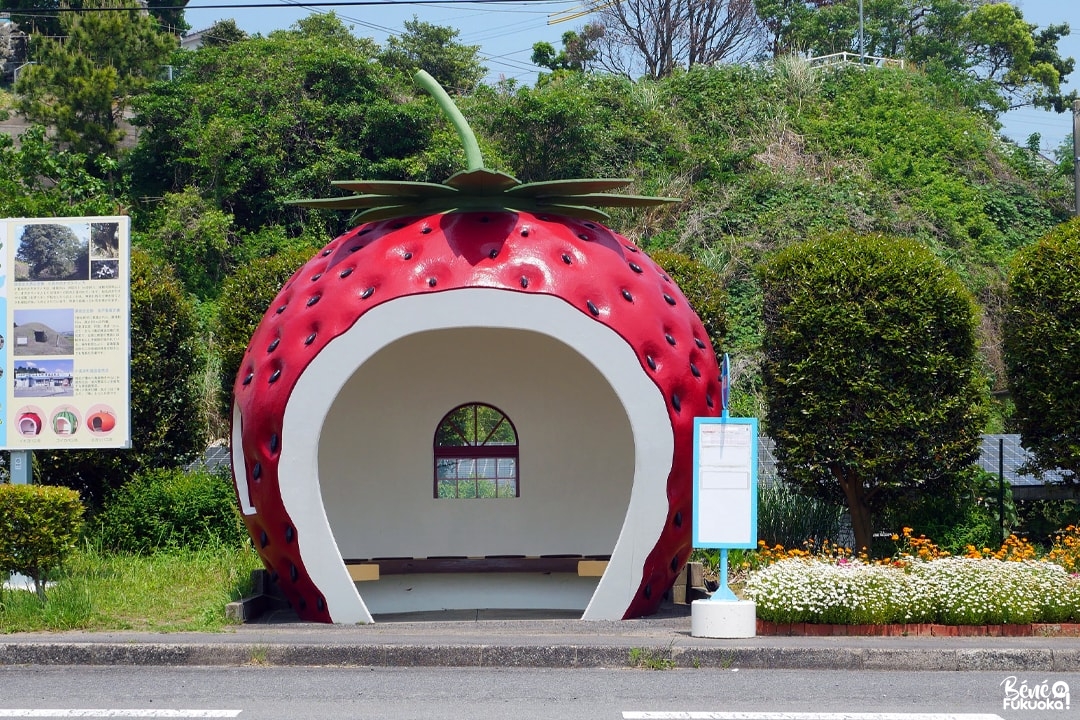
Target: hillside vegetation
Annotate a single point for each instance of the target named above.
(762, 156)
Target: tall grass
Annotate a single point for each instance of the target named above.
(788, 518)
(164, 591)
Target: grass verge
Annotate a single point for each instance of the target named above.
(162, 592)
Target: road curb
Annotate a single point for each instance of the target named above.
(554, 656)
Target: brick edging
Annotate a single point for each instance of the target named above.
(767, 627)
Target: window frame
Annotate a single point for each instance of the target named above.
(476, 452)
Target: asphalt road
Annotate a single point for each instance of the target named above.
(330, 693)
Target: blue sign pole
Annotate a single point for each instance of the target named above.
(723, 592)
(22, 473)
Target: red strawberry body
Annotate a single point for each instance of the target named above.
(552, 263)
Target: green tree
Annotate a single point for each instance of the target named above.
(43, 17)
(39, 180)
(168, 424)
(434, 48)
(51, 251)
(268, 119)
(222, 33)
(578, 50)
(1042, 348)
(82, 85)
(871, 372)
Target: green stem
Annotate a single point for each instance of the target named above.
(473, 159)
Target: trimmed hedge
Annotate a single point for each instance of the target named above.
(39, 525)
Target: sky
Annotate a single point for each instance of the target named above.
(506, 31)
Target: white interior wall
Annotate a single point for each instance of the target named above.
(577, 455)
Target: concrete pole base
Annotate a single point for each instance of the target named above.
(723, 619)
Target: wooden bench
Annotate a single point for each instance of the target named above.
(584, 566)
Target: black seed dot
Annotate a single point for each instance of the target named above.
(670, 339)
(397, 226)
(674, 563)
(407, 256)
(627, 296)
(635, 267)
(708, 400)
(524, 232)
(694, 370)
(631, 248)
(303, 603)
(648, 591)
(485, 219)
(316, 276)
(650, 362)
(583, 236)
(666, 278)
(365, 231)
(321, 604)
(432, 282)
(425, 230)
(367, 293)
(592, 308)
(668, 299)
(256, 471)
(274, 577)
(493, 254)
(566, 259)
(290, 534)
(249, 378)
(313, 299)
(275, 376)
(264, 539)
(678, 519)
(327, 251)
(589, 225)
(275, 443)
(676, 403)
(524, 281)
(354, 248)
(274, 345)
(281, 309)
(345, 273)
(309, 339)
(699, 343)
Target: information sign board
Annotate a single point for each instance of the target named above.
(65, 342)
(725, 482)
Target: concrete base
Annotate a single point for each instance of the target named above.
(723, 619)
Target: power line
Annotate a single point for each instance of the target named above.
(231, 6)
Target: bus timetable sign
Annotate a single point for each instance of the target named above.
(725, 482)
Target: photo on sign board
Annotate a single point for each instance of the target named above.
(52, 251)
(44, 332)
(104, 241)
(35, 377)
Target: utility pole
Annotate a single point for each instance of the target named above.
(1076, 156)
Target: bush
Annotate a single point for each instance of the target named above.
(170, 509)
(38, 528)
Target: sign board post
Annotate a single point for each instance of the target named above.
(64, 338)
(725, 511)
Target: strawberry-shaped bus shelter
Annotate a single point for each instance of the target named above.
(479, 397)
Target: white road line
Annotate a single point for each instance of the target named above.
(114, 713)
(631, 715)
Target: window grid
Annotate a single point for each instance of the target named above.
(476, 454)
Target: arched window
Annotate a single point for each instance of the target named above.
(476, 454)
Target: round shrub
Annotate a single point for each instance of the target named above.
(171, 509)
